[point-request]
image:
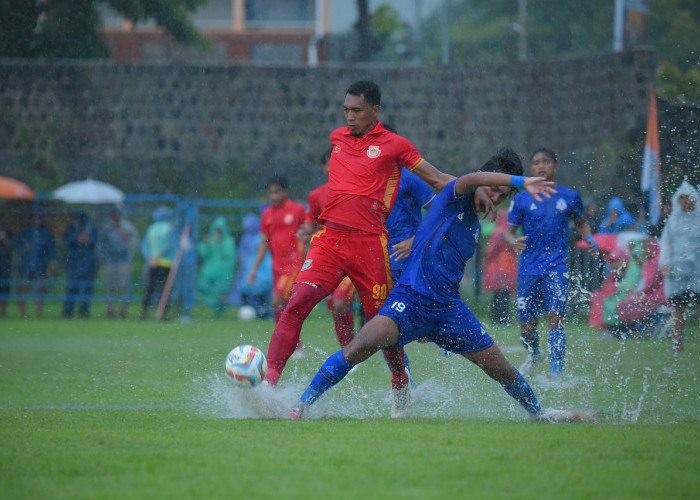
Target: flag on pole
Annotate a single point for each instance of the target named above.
(651, 165)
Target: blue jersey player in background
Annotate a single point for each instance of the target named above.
(425, 303)
(543, 283)
(413, 196)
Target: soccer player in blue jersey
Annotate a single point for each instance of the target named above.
(413, 196)
(425, 303)
(543, 283)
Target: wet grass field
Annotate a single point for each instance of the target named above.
(112, 409)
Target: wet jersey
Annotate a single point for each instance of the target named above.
(364, 177)
(546, 225)
(316, 201)
(444, 242)
(407, 213)
(280, 225)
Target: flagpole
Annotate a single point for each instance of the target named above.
(651, 163)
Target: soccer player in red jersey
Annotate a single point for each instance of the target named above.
(365, 169)
(340, 301)
(279, 224)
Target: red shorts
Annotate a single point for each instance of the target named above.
(363, 257)
(283, 280)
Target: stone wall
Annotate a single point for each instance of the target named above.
(180, 128)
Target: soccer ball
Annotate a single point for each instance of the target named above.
(247, 313)
(246, 366)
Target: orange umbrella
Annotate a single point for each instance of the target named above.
(14, 189)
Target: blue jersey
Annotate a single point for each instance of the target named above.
(445, 240)
(405, 217)
(546, 225)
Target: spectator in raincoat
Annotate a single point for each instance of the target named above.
(680, 258)
(616, 218)
(158, 248)
(218, 254)
(81, 264)
(627, 285)
(617, 261)
(255, 294)
(636, 311)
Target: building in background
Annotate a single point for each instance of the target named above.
(260, 31)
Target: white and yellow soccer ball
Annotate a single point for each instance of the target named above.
(246, 366)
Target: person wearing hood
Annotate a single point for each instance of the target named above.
(81, 264)
(218, 253)
(256, 294)
(636, 311)
(679, 258)
(616, 218)
(627, 285)
(158, 248)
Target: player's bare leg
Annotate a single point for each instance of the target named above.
(378, 333)
(495, 365)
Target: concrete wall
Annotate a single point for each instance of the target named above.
(178, 128)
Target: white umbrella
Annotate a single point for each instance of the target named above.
(89, 191)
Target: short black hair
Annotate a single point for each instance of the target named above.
(369, 90)
(546, 151)
(278, 180)
(505, 161)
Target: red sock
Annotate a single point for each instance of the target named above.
(287, 330)
(395, 360)
(344, 327)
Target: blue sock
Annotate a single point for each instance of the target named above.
(557, 350)
(521, 391)
(531, 344)
(332, 372)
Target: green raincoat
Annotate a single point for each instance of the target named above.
(218, 265)
(628, 283)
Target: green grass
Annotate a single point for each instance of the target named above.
(110, 409)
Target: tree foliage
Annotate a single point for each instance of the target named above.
(68, 28)
(488, 32)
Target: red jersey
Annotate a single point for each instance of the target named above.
(364, 177)
(317, 202)
(280, 225)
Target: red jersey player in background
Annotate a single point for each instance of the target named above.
(279, 224)
(365, 169)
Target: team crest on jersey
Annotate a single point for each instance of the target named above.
(306, 264)
(561, 204)
(288, 218)
(373, 151)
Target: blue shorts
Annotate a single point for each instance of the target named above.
(540, 293)
(451, 326)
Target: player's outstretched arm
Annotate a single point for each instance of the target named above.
(432, 176)
(536, 186)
